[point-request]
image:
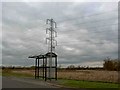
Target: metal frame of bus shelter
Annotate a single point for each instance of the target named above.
(45, 66)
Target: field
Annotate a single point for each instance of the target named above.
(89, 75)
(78, 78)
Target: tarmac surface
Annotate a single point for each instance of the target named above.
(12, 82)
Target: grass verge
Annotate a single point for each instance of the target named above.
(86, 84)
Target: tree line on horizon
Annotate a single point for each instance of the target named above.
(109, 64)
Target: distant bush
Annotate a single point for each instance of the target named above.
(112, 65)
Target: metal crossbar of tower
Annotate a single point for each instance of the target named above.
(48, 68)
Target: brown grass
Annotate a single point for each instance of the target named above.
(31, 72)
(89, 75)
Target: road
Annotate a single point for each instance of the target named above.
(10, 82)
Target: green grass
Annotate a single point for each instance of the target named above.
(87, 84)
(10, 73)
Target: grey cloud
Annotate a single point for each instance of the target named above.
(24, 31)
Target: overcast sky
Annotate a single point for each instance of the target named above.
(87, 32)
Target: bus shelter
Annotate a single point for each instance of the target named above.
(43, 68)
